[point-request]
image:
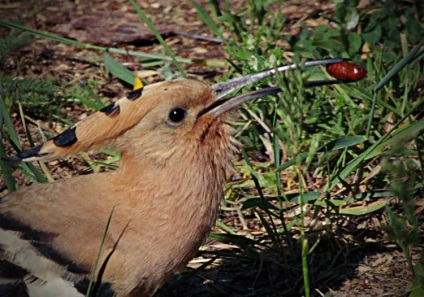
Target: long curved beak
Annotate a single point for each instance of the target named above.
(224, 88)
(220, 106)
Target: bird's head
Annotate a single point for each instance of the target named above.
(161, 119)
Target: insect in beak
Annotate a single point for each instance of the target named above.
(222, 89)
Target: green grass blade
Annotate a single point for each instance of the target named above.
(298, 159)
(206, 18)
(49, 35)
(155, 32)
(118, 70)
(410, 57)
(96, 263)
(5, 169)
(363, 209)
(224, 227)
(92, 101)
(401, 136)
(269, 226)
(377, 148)
(148, 55)
(343, 142)
(8, 122)
(232, 238)
(305, 267)
(65, 40)
(13, 139)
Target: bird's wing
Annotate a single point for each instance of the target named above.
(45, 241)
(27, 267)
(30, 267)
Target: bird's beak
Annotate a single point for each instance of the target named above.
(220, 106)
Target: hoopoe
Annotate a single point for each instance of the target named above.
(175, 144)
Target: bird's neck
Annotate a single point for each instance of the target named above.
(184, 187)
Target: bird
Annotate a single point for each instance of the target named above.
(144, 221)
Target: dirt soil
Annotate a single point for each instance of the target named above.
(351, 259)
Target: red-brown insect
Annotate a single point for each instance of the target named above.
(346, 71)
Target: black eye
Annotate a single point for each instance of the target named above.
(177, 115)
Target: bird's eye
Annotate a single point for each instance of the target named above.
(177, 115)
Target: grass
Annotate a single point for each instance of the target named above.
(329, 155)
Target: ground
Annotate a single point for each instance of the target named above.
(352, 259)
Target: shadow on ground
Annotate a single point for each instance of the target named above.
(333, 264)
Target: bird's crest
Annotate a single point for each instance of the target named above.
(97, 130)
